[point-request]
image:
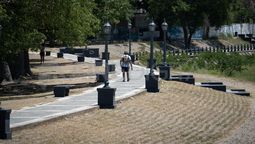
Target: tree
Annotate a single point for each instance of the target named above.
(114, 10)
(67, 21)
(216, 13)
(18, 34)
(26, 23)
(191, 14)
(186, 13)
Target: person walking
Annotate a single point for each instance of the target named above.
(126, 63)
(42, 53)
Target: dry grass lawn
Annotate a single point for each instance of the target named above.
(179, 113)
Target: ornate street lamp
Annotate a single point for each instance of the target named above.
(106, 95)
(107, 32)
(164, 27)
(152, 27)
(151, 80)
(129, 42)
(129, 37)
(164, 69)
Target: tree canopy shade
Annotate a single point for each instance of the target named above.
(26, 24)
(18, 28)
(186, 13)
(114, 10)
(68, 21)
(190, 14)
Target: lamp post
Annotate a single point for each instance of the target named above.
(107, 32)
(106, 95)
(164, 69)
(151, 80)
(129, 42)
(152, 27)
(129, 37)
(164, 27)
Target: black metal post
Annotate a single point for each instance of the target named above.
(151, 53)
(129, 41)
(164, 55)
(106, 95)
(106, 82)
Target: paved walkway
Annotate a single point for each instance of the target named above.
(85, 101)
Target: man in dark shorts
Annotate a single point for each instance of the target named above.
(126, 63)
(42, 53)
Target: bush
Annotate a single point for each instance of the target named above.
(225, 63)
(222, 62)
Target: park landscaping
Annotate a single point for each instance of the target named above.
(179, 113)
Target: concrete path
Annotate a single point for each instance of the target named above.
(85, 101)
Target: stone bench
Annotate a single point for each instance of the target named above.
(80, 58)
(60, 55)
(111, 67)
(48, 53)
(98, 62)
(189, 79)
(240, 92)
(214, 85)
(92, 52)
(61, 90)
(100, 77)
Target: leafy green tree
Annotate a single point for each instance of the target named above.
(186, 13)
(26, 23)
(114, 10)
(18, 35)
(67, 21)
(216, 13)
(191, 14)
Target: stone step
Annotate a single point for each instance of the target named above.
(214, 85)
(189, 79)
(240, 92)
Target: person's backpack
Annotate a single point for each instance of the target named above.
(125, 60)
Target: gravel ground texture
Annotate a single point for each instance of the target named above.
(179, 113)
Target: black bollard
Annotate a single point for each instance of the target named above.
(5, 131)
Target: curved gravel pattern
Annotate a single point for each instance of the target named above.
(179, 113)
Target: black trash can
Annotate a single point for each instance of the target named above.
(106, 98)
(5, 131)
(60, 55)
(48, 53)
(99, 62)
(80, 58)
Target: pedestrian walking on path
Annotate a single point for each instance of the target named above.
(126, 63)
(42, 52)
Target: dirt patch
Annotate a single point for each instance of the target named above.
(179, 113)
(54, 71)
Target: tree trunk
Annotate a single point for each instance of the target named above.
(16, 63)
(206, 28)
(5, 72)
(185, 34)
(189, 40)
(26, 63)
